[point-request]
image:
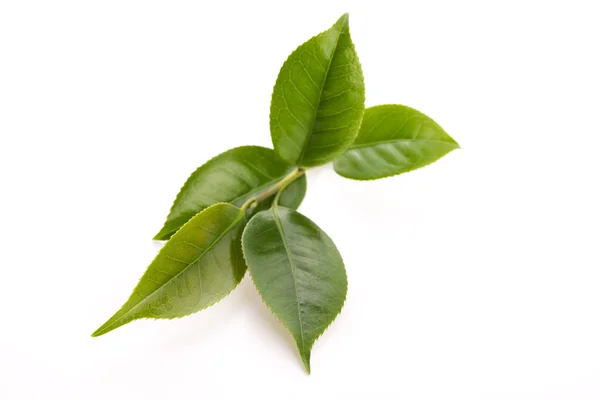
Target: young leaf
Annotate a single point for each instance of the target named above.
(199, 266)
(393, 139)
(318, 99)
(298, 271)
(231, 177)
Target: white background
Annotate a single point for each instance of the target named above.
(477, 277)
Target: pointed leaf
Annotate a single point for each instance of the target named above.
(199, 266)
(298, 271)
(231, 177)
(393, 139)
(318, 99)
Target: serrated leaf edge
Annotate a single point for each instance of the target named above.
(333, 156)
(406, 170)
(307, 367)
(391, 175)
(160, 235)
(243, 216)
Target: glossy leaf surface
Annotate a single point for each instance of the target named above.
(318, 99)
(393, 139)
(298, 271)
(231, 177)
(199, 266)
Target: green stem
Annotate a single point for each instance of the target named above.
(276, 200)
(275, 189)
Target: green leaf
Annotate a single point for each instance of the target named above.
(393, 139)
(318, 99)
(231, 177)
(298, 271)
(199, 266)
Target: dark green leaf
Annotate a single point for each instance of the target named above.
(231, 177)
(298, 272)
(393, 139)
(318, 99)
(199, 266)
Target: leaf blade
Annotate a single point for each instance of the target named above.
(231, 177)
(298, 272)
(175, 283)
(318, 99)
(393, 139)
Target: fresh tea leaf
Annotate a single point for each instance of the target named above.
(318, 99)
(199, 266)
(231, 177)
(393, 139)
(317, 109)
(298, 271)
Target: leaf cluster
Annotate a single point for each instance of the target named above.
(237, 212)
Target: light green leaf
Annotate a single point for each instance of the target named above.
(318, 99)
(298, 271)
(231, 177)
(393, 139)
(199, 266)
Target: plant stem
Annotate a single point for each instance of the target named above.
(275, 189)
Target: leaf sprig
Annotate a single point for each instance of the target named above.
(237, 212)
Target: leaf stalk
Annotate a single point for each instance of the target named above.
(275, 189)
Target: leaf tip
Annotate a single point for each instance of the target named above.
(344, 19)
(306, 360)
(105, 328)
(453, 141)
(98, 332)
(161, 235)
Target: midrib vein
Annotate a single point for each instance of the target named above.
(257, 189)
(241, 197)
(371, 144)
(312, 126)
(289, 255)
(136, 305)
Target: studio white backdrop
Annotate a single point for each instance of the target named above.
(474, 278)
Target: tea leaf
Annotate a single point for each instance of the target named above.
(231, 177)
(393, 139)
(318, 99)
(199, 266)
(298, 271)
